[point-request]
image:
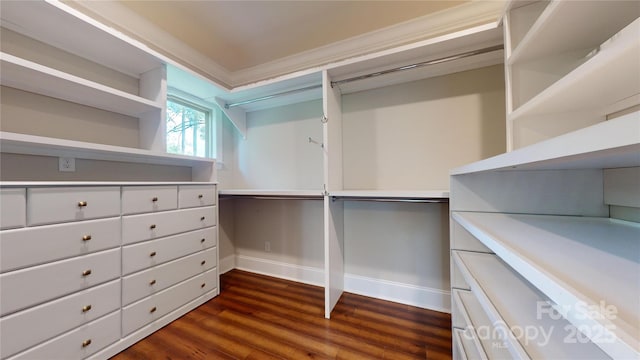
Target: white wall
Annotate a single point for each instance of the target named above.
(408, 136)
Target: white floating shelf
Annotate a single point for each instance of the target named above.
(393, 194)
(595, 85)
(29, 76)
(542, 249)
(272, 193)
(515, 304)
(613, 143)
(44, 146)
(551, 35)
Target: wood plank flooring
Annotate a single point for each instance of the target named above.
(260, 317)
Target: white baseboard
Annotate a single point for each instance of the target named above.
(424, 297)
(304, 274)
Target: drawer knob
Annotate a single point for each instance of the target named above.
(82, 203)
(152, 282)
(203, 285)
(202, 241)
(202, 218)
(86, 343)
(155, 199)
(200, 196)
(86, 238)
(203, 262)
(153, 309)
(86, 308)
(152, 226)
(152, 254)
(86, 272)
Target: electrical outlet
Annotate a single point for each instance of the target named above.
(66, 164)
(267, 246)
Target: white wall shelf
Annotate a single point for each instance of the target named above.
(596, 85)
(28, 76)
(541, 249)
(521, 307)
(392, 194)
(275, 193)
(44, 146)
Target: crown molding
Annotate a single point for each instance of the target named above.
(429, 26)
(461, 17)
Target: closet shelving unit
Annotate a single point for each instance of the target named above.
(544, 237)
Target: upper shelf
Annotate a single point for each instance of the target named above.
(392, 194)
(597, 84)
(29, 76)
(272, 193)
(78, 34)
(609, 144)
(552, 34)
(44, 146)
(585, 288)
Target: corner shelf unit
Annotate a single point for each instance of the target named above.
(563, 75)
(548, 231)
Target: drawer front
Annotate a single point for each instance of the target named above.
(150, 253)
(154, 307)
(152, 226)
(196, 195)
(37, 245)
(79, 343)
(150, 281)
(51, 205)
(32, 326)
(140, 199)
(27, 287)
(13, 204)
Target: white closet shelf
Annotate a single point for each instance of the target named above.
(613, 143)
(548, 35)
(26, 75)
(99, 183)
(414, 194)
(509, 301)
(45, 146)
(597, 84)
(468, 345)
(271, 193)
(605, 276)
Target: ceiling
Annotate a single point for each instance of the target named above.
(243, 34)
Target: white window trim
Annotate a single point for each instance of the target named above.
(215, 113)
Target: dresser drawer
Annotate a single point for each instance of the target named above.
(60, 204)
(155, 306)
(150, 253)
(37, 245)
(32, 326)
(12, 208)
(196, 195)
(150, 281)
(23, 288)
(152, 226)
(140, 199)
(79, 343)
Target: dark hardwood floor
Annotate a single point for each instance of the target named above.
(260, 317)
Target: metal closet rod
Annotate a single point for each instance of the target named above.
(367, 76)
(386, 199)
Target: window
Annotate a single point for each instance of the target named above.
(191, 128)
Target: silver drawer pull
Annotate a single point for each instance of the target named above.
(86, 272)
(152, 282)
(86, 343)
(86, 238)
(203, 285)
(152, 226)
(203, 262)
(155, 198)
(202, 218)
(86, 308)
(153, 309)
(200, 196)
(152, 254)
(82, 203)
